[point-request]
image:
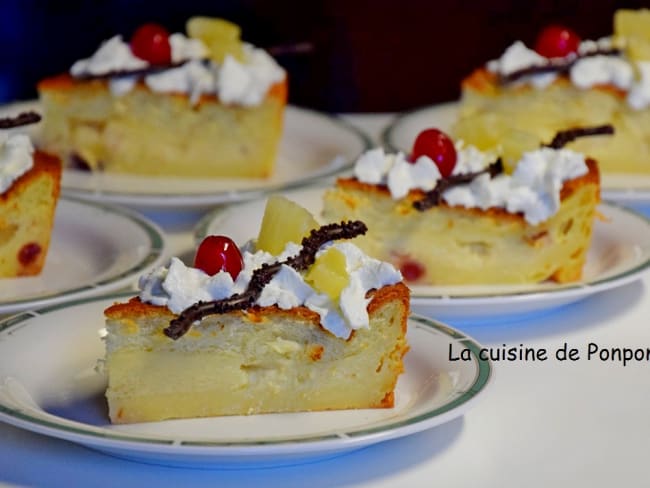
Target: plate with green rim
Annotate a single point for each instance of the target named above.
(62, 395)
(94, 249)
(314, 145)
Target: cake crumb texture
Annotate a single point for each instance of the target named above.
(456, 245)
(149, 133)
(27, 216)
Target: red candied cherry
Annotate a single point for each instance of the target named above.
(557, 41)
(151, 43)
(411, 270)
(439, 147)
(219, 253)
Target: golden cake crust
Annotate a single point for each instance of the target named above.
(65, 82)
(485, 82)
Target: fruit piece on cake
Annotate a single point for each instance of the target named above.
(566, 82)
(250, 333)
(450, 214)
(29, 191)
(207, 105)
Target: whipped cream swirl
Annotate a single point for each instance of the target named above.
(584, 73)
(533, 189)
(177, 286)
(16, 158)
(233, 82)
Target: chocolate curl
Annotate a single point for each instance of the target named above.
(563, 137)
(555, 65)
(24, 118)
(263, 275)
(434, 197)
(138, 73)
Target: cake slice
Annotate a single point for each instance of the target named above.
(467, 219)
(263, 334)
(29, 191)
(213, 107)
(566, 82)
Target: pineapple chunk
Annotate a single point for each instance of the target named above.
(632, 23)
(482, 130)
(514, 144)
(634, 27)
(638, 49)
(329, 274)
(220, 36)
(284, 221)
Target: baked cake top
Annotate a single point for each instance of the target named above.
(440, 170)
(332, 279)
(212, 60)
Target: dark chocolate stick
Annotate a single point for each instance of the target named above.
(555, 65)
(563, 137)
(433, 197)
(138, 73)
(24, 118)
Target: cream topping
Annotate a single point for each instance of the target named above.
(400, 176)
(184, 48)
(602, 70)
(233, 82)
(585, 73)
(16, 158)
(193, 78)
(518, 56)
(394, 170)
(177, 286)
(533, 189)
(113, 55)
(639, 95)
(247, 84)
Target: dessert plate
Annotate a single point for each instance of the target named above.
(623, 188)
(314, 145)
(61, 395)
(619, 254)
(94, 249)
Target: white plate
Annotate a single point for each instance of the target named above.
(625, 188)
(619, 254)
(61, 395)
(94, 249)
(314, 145)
